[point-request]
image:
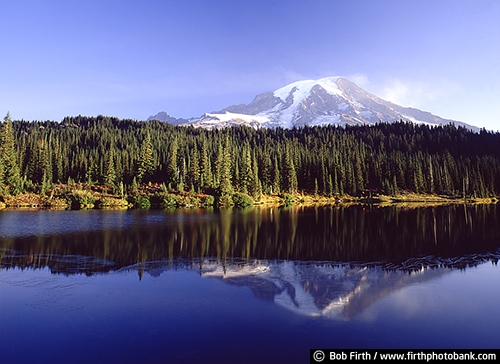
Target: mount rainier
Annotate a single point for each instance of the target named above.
(327, 101)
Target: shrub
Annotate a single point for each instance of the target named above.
(242, 200)
(112, 203)
(56, 203)
(140, 202)
(191, 200)
(171, 200)
(208, 200)
(225, 200)
(24, 199)
(287, 199)
(81, 198)
(164, 199)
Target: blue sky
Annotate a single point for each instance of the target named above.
(132, 59)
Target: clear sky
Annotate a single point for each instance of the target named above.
(132, 59)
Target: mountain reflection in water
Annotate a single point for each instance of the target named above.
(323, 261)
(338, 292)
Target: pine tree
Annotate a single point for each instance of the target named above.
(276, 178)
(57, 162)
(218, 165)
(2, 187)
(110, 172)
(91, 172)
(358, 173)
(225, 189)
(205, 167)
(329, 186)
(246, 173)
(145, 164)
(255, 189)
(45, 161)
(265, 172)
(11, 171)
(172, 166)
(194, 169)
(45, 185)
(290, 183)
(431, 176)
(134, 187)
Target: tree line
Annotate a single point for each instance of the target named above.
(388, 158)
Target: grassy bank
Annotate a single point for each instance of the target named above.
(81, 196)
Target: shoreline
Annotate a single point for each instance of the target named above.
(104, 201)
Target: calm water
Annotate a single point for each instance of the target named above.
(257, 285)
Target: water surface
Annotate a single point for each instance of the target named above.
(255, 285)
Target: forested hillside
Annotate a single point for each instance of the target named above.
(385, 158)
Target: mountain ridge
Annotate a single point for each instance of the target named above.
(326, 101)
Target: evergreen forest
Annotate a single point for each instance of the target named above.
(120, 155)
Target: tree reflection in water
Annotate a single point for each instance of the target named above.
(369, 277)
(389, 237)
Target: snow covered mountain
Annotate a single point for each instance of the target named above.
(332, 100)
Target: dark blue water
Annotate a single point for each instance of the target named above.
(189, 286)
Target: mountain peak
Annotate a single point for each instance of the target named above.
(302, 88)
(163, 116)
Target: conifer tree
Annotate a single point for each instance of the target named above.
(57, 162)
(2, 187)
(11, 171)
(265, 173)
(145, 164)
(276, 178)
(45, 161)
(134, 187)
(322, 176)
(91, 172)
(246, 173)
(225, 189)
(205, 167)
(236, 175)
(336, 188)
(290, 183)
(329, 186)
(255, 189)
(110, 171)
(194, 169)
(218, 165)
(172, 166)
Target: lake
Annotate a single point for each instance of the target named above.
(252, 285)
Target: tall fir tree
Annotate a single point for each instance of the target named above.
(255, 189)
(225, 189)
(145, 164)
(290, 183)
(11, 172)
(246, 174)
(194, 169)
(172, 165)
(205, 166)
(218, 165)
(110, 170)
(276, 177)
